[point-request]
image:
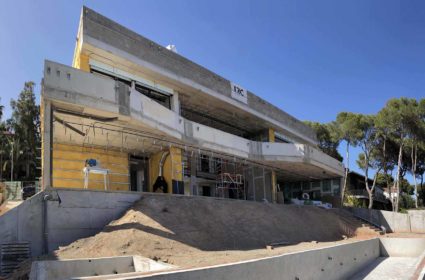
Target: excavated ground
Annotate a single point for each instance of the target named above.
(198, 231)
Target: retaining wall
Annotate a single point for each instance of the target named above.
(392, 221)
(337, 262)
(71, 214)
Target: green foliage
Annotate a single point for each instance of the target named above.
(406, 187)
(384, 180)
(406, 202)
(347, 127)
(352, 201)
(328, 143)
(1, 110)
(21, 137)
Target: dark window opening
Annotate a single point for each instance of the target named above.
(212, 121)
(279, 139)
(107, 75)
(160, 98)
(205, 164)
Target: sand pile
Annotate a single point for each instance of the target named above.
(196, 231)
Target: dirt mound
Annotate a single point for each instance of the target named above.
(185, 230)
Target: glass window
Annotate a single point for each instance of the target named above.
(297, 186)
(316, 185)
(326, 185)
(336, 182)
(306, 186)
(336, 192)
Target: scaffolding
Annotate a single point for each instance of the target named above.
(226, 176)
(230, 181)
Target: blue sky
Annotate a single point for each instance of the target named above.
(313, 59)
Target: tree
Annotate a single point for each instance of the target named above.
(417, 142)
(420, 170)
(1, 110)
(368, 144)
(347, 129)
(25, 124)
(399, 119)
(406, 202)
(2, 141)
(328, 143)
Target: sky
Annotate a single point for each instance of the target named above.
(313, 59)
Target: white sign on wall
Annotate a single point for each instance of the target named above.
(239, 93)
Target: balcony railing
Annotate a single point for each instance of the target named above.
(364, 194)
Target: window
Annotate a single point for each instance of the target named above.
(107, 75)
(326, 185)
(297, 186)
(316, 185)
(306, 186)
(159, 97)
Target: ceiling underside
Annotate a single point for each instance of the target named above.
(221, 115)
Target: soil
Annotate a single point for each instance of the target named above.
(197, 231)
(7, 205)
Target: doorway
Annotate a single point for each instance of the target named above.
(139, 174)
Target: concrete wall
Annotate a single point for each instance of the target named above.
(24, 223)
(402, 247)
(393, 222)
(337, 262)
(71, 269)
(417, 220)
(78, 214)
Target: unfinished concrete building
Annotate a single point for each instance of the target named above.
(136, 116)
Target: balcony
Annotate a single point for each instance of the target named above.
(74, 90)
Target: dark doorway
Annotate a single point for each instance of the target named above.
(138, 174)
(206, 191)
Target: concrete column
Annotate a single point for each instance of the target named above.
(175, 103)
(271, 136)
(46, 143)
(274, 186)
(193, 181)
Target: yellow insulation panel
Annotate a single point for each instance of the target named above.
(68, 164)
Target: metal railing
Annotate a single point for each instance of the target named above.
(363, 193)
(13, 190)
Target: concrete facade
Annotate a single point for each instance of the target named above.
(127, 97)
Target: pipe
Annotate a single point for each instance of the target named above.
(161, 162)
(46, 197)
